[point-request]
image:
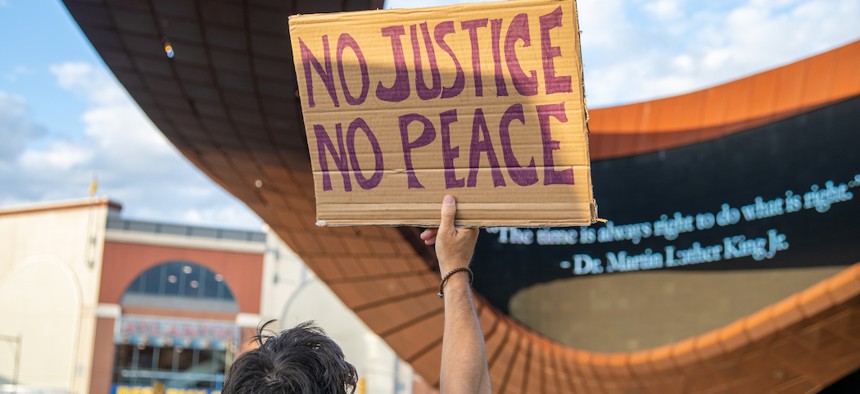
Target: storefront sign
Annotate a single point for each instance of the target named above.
(176, 332)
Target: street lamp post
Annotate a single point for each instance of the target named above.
(16, 340)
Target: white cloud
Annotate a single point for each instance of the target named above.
(663, 9)
(426, 3)
(637, 50)
(90, 83)
(215, 215)
(57, 156)
(16, 128)
(134, 162)
(632, 49)
(18, 71)
(643, 49)
(604, 24)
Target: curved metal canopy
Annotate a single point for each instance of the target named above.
(227, 101)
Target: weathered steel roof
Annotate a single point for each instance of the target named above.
(227, 100)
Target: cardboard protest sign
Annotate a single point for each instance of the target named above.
(482, 101)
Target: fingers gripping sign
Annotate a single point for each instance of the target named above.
(454, 245)
(464, 355)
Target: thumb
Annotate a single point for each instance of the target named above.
(449, 211)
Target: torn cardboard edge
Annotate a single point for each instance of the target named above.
(479, 223)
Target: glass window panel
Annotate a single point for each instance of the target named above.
(141, 286)
(234, 234)
(210, 289)
(165, 359)
(150, 281)
(203, 274)
(191, 283)
(219, 358)
(195, 363)
(114, 223)
(183, 359)
(145, 357)
(137, 285)
(182, 279)
(173, 272)
(226, 294)
(204, 232)
(124, 356)
(258, 237)
(206, 362)
(192, 288)
(141, 226)
(173, 229)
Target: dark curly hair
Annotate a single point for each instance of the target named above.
(299, 360)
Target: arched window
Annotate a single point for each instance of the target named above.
(181, 285)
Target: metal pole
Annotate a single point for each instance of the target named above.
(17, 361)
(396, 374)
(17, 339)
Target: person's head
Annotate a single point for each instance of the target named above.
(299, 360)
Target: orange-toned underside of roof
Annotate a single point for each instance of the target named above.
(728, 108)
(227, 102)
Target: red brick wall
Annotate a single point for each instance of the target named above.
(123, 262)
(102, 367)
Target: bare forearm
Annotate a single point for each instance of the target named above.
(464, 355)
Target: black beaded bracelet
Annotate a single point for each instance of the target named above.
(448, 275)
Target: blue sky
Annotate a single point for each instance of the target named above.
(37, 34)
(64, 118)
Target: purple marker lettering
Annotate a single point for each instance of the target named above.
(554, 84)
(551, 176)
(345, 40)
(374, 180)
(324, 142)
(449, 153)
(425, 93)
(519, 30)
(496, 32)
(427, 136)
(400, 90)
(479, 125)
(326, 74)
(523, 176)
(472, 27)
(439, 32)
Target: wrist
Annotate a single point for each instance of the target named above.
(446, 266)
(457, 290)
(457, 280)
(457, 287)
